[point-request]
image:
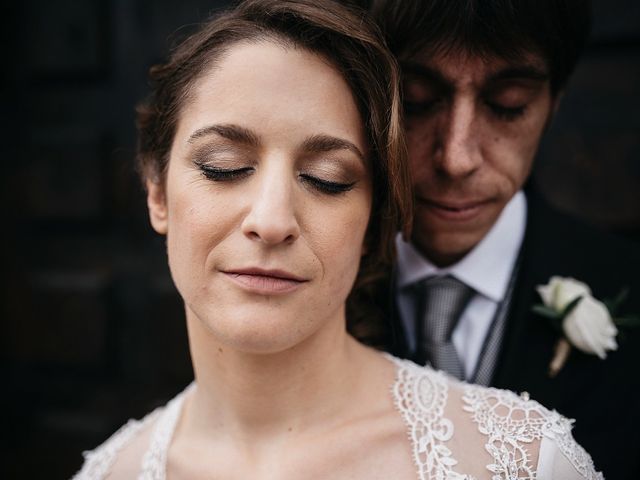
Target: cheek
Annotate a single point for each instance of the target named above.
(528, 136)
(517, 154)
(338, 243)
(512, 148)
(197, 223)
(420, 137)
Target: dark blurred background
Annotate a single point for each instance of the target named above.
(92, 328)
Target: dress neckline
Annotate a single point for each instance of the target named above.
(509, 422)
(419, 396)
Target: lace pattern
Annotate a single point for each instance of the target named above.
(98, 462)
(154, 462)
(511, 422)
(421, 395)
(577, 455)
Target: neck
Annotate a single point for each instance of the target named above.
(444, 260)
(251, 396)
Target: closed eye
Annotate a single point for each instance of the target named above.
(224, 174)
(506, 113)
(326, 186)
(419, 108)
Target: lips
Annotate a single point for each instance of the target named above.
(265, 281)
(458, 210)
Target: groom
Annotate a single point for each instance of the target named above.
(481, 82)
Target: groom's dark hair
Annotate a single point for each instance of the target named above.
(555, 29)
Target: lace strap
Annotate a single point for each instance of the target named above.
(420, 395)
(98, 462)
(154, 462)
(559, 430)
(511, 422)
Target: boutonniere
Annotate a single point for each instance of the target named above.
(583, 321)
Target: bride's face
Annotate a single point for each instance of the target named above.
(267, 197)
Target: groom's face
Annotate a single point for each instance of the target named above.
(473, 128)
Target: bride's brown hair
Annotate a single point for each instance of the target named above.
(353, 44)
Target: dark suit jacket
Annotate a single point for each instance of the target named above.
(602, 395)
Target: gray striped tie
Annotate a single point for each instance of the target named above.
(444, 300)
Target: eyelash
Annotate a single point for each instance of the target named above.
(324, 186)
(221, 174)
(506, 113)
(418, 108)
(503, 113)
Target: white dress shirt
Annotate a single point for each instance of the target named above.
(487, 269)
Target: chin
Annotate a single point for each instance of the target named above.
(253, 332)
(259, 345)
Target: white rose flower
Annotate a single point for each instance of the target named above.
(590, 328)
(561, 291)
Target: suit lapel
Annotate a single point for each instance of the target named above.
(529, 341)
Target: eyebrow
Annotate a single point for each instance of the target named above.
(327, 143)
(234, 133)
(313, 144)
(525, 72)
(522, 72)
(427, 73)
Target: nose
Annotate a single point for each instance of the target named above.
(458, 153)
(271, 218)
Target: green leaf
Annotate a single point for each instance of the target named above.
(572, 304)
(557, 324)
(627, 321)
(546, 312)
(614, 304)
(611, 308)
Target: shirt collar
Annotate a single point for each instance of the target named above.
(496, 253)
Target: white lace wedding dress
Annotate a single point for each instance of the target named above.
(514, 429)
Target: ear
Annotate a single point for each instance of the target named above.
(157, 204)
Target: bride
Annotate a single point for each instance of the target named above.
(274, 164)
